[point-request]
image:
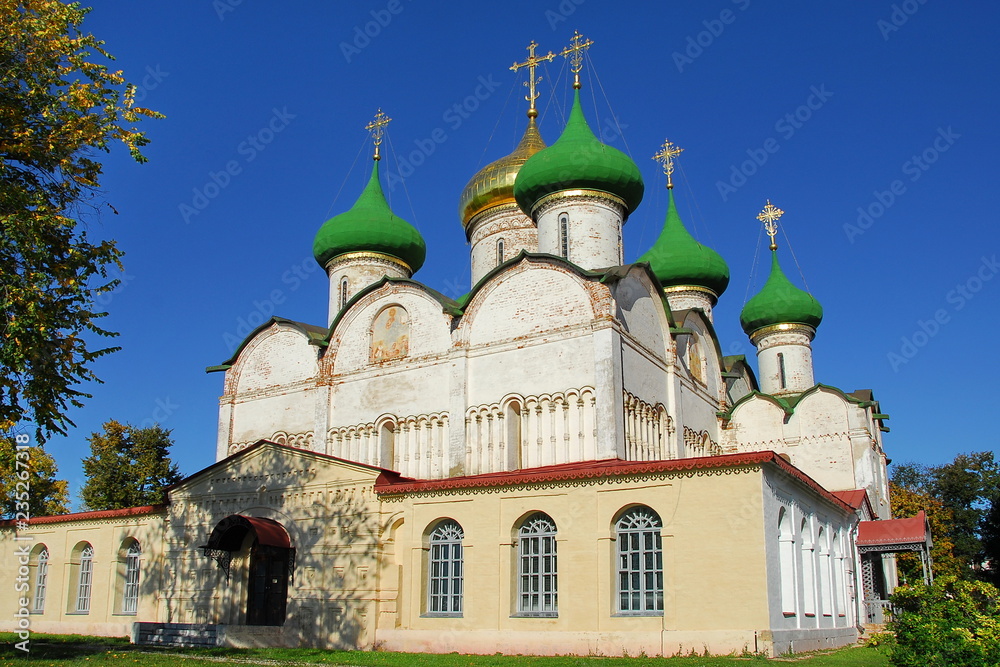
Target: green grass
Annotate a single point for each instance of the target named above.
(58, 650)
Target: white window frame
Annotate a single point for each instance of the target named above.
(537, 567)
(446, 570)
(639, 552)
(41, 581)
(130, 593)
(85, 580)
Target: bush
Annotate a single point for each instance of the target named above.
(951, 623)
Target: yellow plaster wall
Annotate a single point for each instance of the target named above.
(713, 545)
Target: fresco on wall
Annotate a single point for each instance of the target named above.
(390, 334)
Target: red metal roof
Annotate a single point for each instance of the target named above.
(79, 516)
(855, 497)
(894, 531)
(390, 482)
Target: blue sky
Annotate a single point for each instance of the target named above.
(873, 125)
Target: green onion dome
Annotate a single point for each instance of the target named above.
(370, 225)
(678, 260)
(578, 160)
(780, 302)
(494, 184)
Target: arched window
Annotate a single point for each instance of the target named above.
(445, 570)
(564, 235)
(387, 446)
(85, 580)
(41, 580)
(512, 418)
(130, 594)
(343, 292)
(499, 252)
(786, 562)
(537, 583)
(640, 562)
(808, 568)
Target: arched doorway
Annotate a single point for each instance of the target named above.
(271, 563)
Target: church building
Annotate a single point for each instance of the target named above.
(561, 461)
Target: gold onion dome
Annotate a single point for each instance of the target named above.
(493, 185)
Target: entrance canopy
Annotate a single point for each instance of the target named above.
(904, 533)
(230, 533)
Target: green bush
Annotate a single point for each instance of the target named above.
(951, 623)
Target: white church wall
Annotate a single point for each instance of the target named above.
(277, 357)
(809, 567)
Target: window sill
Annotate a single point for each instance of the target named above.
(39, 612)
(125, 613)
(78, 613)
(637, 614)
(441, 614)
(535, 614)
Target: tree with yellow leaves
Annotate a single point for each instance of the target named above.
(59, 106)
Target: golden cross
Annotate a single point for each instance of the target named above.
(376, 127)
(531, 63)
(666, 157)
(769, 216)
(575, 54)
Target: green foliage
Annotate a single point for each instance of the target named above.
(36, 469)
(127, 467)
(907, 503)
(969, 489)
(951, 623)
(58, 108)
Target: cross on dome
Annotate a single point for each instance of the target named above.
(531, 63)
(666, 157)
(769, 216)
(575, 53)
(377, 129)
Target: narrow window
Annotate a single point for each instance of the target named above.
(564, 235)
(444, 570)
(130, 597)
(640, 562)
(537, 585)
(343, 292)
(786, 563)
(85, 581)
(808, 568)
(499, 252)
(41, 580)
(781, 370)
(387, 446)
